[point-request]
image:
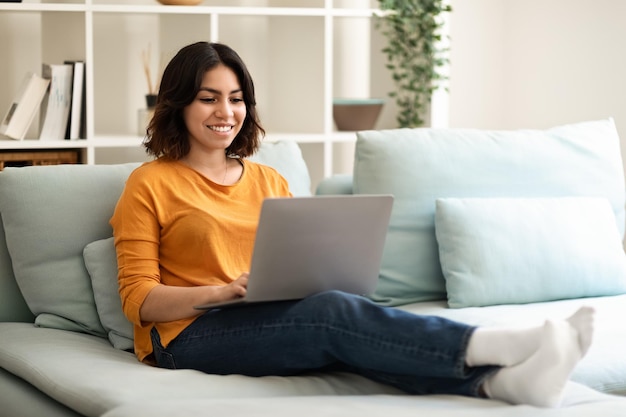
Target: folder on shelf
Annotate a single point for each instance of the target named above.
(22, 110)
(76, 124)
(55, 108)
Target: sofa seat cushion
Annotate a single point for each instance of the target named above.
(87, 374)
(21, 399)
(579, 401)
(604, 366)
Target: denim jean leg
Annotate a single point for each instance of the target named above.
(163, 358)
(419, 354)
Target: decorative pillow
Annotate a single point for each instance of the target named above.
(286, 157)
(418, 166)
(50, 213)
(516, 250)
(101, 262)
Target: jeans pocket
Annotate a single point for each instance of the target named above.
(163, 358)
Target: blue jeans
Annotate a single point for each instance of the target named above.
(330, 331)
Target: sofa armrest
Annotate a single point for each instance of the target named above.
(337, 184)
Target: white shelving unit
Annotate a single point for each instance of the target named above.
(301, 54)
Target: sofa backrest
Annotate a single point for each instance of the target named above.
(286, 157)
(420, 166)
(50, 213)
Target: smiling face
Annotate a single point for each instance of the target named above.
(216, 115)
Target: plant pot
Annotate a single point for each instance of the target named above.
(356, 114)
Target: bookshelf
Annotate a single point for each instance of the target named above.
(301, 53)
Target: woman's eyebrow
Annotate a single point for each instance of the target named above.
(214, 91)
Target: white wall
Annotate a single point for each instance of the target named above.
(537, 63)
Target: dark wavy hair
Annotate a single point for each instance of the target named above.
(166, 134)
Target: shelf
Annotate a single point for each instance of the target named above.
(122, 140)
(42, 7)
(201, 10)
(312, 137)
(117, 141)
(42, 144)
(38, 157)
(298, 52)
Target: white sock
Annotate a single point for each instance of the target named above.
(502, 346)
(539, 381)
(583, 321)
(510, 346)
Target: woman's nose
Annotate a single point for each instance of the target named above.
(224, 109)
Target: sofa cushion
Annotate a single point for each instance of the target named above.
(578, 401)
(420, 165)
(21, 399)
(603, 368)
(336, 184)
(50, 213)
(88, 375)
(517, 250)
(286, 158)
(101, 262)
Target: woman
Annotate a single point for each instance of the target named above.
(184, 229)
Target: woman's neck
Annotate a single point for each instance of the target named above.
(219, 168)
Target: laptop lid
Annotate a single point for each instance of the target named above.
(306, 245)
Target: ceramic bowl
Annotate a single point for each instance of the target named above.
(356, 114)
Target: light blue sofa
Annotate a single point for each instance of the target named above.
(63, 338)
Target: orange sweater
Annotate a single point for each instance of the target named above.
(173, 226)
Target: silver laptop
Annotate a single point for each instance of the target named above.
(305, 245)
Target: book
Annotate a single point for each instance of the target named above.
(76, 124)
(55, 108)
(24, 107)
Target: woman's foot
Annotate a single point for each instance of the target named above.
(583, 321)
(510, 346)
(540, 380)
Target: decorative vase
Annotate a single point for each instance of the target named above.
(151, 100)
(356, 114)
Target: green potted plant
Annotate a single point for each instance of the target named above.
(414, 53)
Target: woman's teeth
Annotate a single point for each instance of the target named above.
(220, 128)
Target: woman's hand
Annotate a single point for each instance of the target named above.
(235, 289)
(167, 303)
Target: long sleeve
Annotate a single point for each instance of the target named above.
(172, 226)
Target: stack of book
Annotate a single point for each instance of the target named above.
(58, 94)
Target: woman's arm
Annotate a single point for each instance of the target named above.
(167, 303)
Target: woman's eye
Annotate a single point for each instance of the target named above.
(237, 100)
(207, 99)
